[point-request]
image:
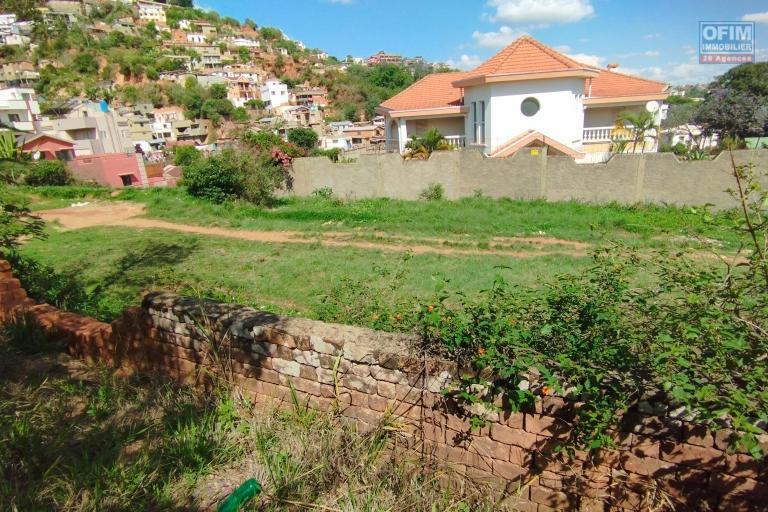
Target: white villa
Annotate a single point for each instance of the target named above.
(528, 95)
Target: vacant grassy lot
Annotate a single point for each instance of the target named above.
(118, 264)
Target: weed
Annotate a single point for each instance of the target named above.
(433, 192)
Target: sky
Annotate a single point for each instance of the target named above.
(655, 39)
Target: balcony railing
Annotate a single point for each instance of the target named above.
(606, 134)
(457, 141)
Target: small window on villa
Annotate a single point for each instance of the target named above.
(530, 107)
(14, 118)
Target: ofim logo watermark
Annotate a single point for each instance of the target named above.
(726, 42)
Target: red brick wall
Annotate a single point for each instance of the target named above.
(657, 455)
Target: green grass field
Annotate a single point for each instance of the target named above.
(119, 264)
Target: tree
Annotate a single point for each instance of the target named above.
(17, 223)
(48, 173)
(751, 78)
(85, 63)
(218, 91)
(256, 104)
(736, 103)
(240, 115)
(305, 138)
(642, 123)
(244, 53)
(182, 3)
(216, 178)
(732, 113)
(270, 33)
(185, 156)
(422, 147)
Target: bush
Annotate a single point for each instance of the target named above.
(216, 178)
(333, 154)
(236, 174)
(433, 192)
(323, 193)
(185, 156)
(48, 173)
(305, 138)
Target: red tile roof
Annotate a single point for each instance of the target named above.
(432, 91)
(525, 55)
(611, 84)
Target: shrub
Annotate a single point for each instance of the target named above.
(323, 193)
(305, 138)
(237, 174)
(185, 156)
(48, 172)
(216, 178)
(433, 192)
(333, 154)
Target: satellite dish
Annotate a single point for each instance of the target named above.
(652, 107)
(36, 155)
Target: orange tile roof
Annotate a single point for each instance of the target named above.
(432, 91)
(610, 83)
(525, 55)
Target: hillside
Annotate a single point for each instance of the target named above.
(116, 51)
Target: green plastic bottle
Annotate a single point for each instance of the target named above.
(242, 495)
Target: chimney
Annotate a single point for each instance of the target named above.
(612, 66)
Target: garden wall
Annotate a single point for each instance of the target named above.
(370, 377)
(648, 178)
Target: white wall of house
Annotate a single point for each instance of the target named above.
(478, 100)
(275, 92)
(560, 116)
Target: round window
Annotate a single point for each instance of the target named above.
(530, 107)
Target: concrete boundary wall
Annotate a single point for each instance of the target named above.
(627, 179)
(379, 374)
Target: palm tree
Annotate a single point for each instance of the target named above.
(643, 124)
(420, 148)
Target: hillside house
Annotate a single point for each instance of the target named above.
(241, 90)
(93, 127)
(41, 146)
(528, 95)
(19, 108)
(18, 74)
(151, 12)
(274, 93)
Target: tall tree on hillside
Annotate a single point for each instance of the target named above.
(182, 3)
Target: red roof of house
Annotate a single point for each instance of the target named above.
(525, 55)
(611, 84)
(432, 91)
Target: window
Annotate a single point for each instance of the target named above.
(14, 118)
(530, 107)
(478, 122)
(127, 179)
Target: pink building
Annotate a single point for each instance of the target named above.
(118, 170)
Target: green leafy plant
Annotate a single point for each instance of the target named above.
(693, 340)
(420, 148)
(48, 173)
(433, 192)
(305, 138)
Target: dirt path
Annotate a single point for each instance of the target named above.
(124, 214)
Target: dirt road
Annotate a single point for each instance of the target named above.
(129, 215)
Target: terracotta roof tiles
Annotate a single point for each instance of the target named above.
(525, 55)
(611, 83)
(432, 91)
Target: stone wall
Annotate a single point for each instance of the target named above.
(370, 376)
(628, 179)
